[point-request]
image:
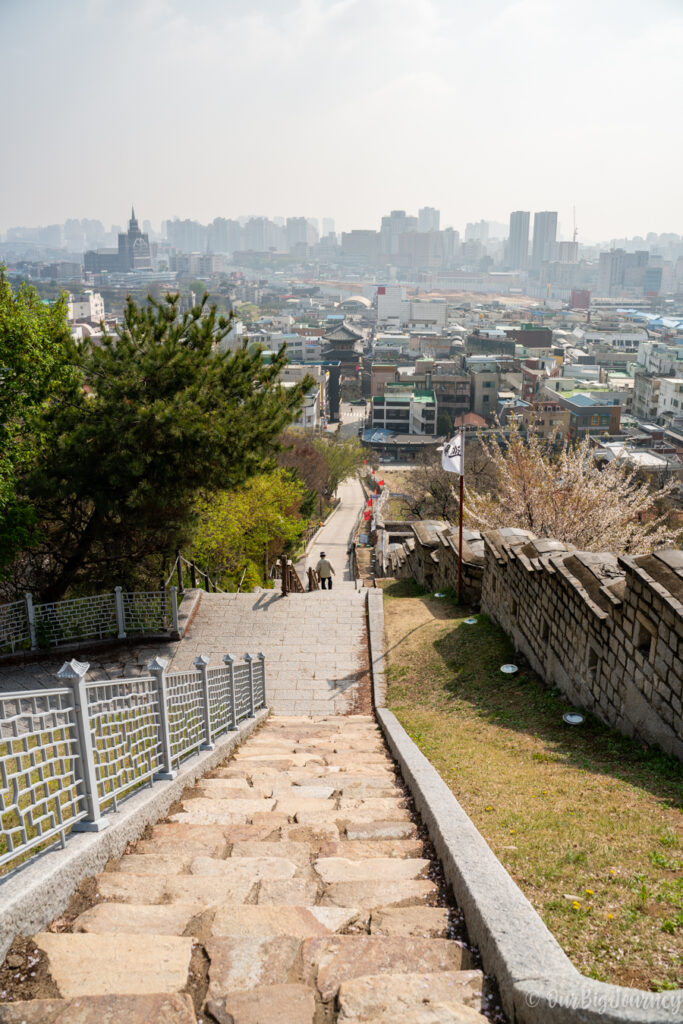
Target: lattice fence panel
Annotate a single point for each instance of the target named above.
(14, 629)
(185, 713)
(124, 722)
(41, 793)
(220, 699)
(146, 611)
(242, 695)
(259, 683)
(80, 618)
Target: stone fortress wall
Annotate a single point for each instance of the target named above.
(606, 630)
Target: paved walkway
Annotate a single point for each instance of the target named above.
(289, 887)
(335, 537)
(315, 643)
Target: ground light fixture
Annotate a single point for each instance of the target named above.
(471, 621)
(508, 670)
(573, 718)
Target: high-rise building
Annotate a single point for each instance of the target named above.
(397, 223)
(428, 219)
(328, 226)
(545, 236)
(518, 240)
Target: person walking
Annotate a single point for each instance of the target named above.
(325, 571)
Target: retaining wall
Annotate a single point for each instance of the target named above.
(606, 630)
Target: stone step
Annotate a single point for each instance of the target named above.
(379, 869)
(154, 1009)
(400, 996)
(358, 849)
(203, 891)
(427, 922)
(84, 964)
(295, 921)
(269, 1004)
(327, 962)
(370, 895)
(356, 829)
(136, 918)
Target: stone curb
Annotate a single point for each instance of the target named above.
(538, 983)
(33, 896)
(375, 614)
(189, 606)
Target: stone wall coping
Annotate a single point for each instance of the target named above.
(631, 566)
(537, 981)
(32, 896)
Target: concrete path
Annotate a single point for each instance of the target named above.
(336, 535)
(289, 887)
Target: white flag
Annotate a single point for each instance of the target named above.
(453, 454)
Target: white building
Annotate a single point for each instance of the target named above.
(661, 359)
(89, 306)
(670, 400)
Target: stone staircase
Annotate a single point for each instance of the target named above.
(289, 887)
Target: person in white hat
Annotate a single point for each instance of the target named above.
(325, 571)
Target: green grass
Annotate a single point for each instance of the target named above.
(586, 821)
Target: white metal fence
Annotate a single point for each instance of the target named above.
(69, 754)
(25, 625)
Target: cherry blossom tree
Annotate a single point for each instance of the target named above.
(563, 492)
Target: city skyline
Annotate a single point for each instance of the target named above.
(350, 108)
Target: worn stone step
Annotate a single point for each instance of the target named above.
(291, 806)
(295, 921)
(270, 1004)
(155, 863)
(223, 789)
(155, 1009)
(315, 789)
(373, 895)
(327, 962)
(136, 918)
(299, 854)
(249, 961)
(355, 760)
(202, 890)
(344, 816)
(237, 869)
(356, 829)
(83, 964)
(427, 922)
(435, 1013)
(358, 849)
(239, 803)
(291, 892)
(398, 996)
(379, 869)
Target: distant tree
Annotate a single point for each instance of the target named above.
(568, 496)
(35, 362)
(444, 424)
(428, 490)
(158, 415)
(343, 459)
(249, 525)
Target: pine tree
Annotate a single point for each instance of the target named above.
(157, 415)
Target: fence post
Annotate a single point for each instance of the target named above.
(31, 616)
(193, 575)
(157, 667)
(73, 674)
(120, 617)
(202, 663)
(249, 658)
(262, 659)
(175, 628)
(283, 572)
(179, 565)
(229, 660)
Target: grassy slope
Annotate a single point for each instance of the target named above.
(586, 822)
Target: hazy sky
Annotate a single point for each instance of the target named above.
(343, 108)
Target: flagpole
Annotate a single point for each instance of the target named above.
(462, 480)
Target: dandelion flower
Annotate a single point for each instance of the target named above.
(576, 904)
(589, 892)
(610, 917)
(489, 808)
